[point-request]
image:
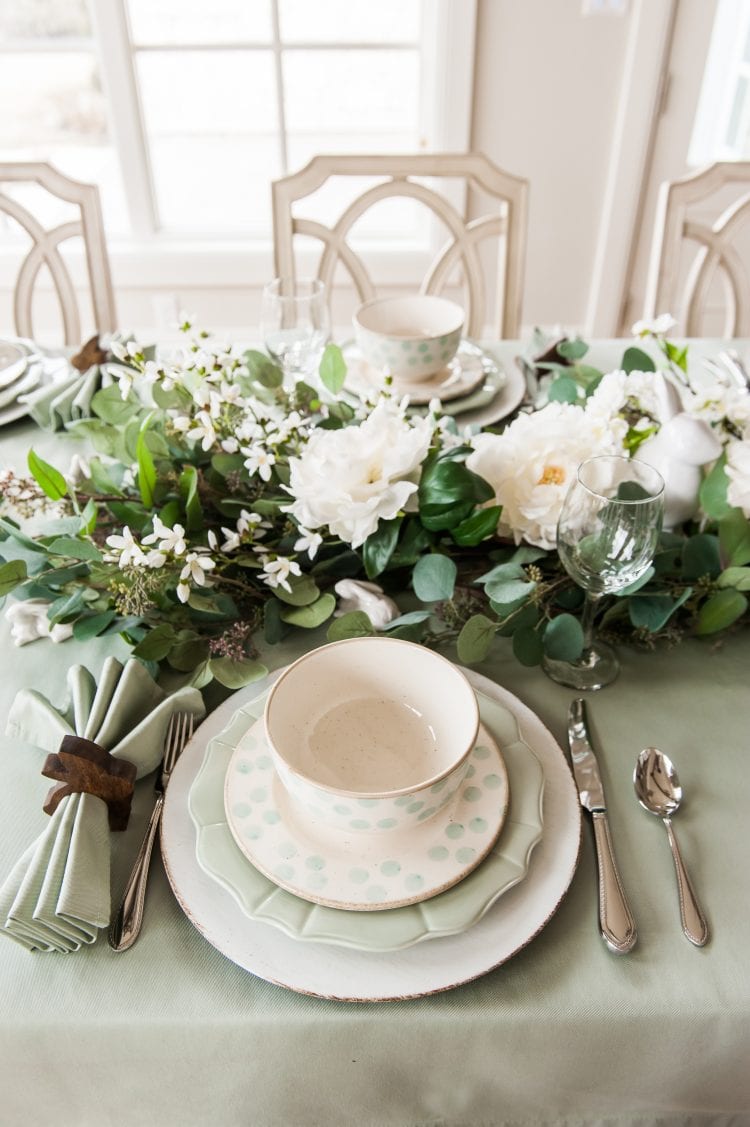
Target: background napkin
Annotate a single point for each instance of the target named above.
(57, 895)
(67, 396)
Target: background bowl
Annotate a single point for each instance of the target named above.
(410, 337)
(372, 733)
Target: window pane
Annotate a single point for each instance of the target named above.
(336, 21)
(222, 188)
(207, 93)
(338, 88)
(59, 115)
(211, 121)
(732, 137)
(43, 19)
(221, 21)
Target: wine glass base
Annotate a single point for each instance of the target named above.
(595, 669)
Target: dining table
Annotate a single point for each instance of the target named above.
(560, 1030)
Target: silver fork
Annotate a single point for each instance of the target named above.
(126, 925)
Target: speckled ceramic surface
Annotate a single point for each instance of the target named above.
(448, 913)
(360, 868)
(472, 377)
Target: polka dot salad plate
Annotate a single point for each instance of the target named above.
(450, 912)
(352, 868)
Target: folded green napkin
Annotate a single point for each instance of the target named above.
(57, 895)
(67, 397)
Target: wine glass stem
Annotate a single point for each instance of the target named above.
(587, 621)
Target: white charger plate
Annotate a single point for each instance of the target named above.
(12, 362)
(351, 975)
(359, 870)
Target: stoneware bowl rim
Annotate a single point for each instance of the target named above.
(412, 788)
(454, 324)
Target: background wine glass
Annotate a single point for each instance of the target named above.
(295, 323)
(606, 538)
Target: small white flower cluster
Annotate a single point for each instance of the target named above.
(23, 495)
(170, 546)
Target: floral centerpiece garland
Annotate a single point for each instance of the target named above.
(221, 502)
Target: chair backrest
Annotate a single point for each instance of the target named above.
(45, 249)
(405, 176)
(683, 279)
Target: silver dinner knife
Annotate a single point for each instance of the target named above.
(616, 921)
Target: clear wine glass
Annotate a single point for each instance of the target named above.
(606, 537)
(295, 323)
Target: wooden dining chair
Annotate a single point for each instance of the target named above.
(493, 308)
(698, 264)
(85, 223)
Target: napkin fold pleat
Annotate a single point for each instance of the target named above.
(57, 896)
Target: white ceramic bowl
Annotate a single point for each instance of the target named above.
(409, 337)
(372, 734)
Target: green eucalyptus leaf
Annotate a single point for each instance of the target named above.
(713, 491)
(411, 618)
(89, 516)
(737, 577)
(188, 486)
(188, 651)
(528, 647)
(563, 390)
(434, 578)
(572, 349)
(12, 530)
(333, 369)
(66, 607)
(734, 538)
(477, 527)
(379, 547)
(654, 611)
(304, 591)
(508, 590)
(720, 611)
(563, 638)
(130, 514)
(49, 480)
(12, 574)
(92, 625)
(235, 674)
(636, 585)
(110, 406)
(157, 643)
(354, 624)
(312, 615)
(74, 549)
(636, 360)
(263, 370)
(146, 469)
(524, 616)
(701, 557)
(475, 639)
(273, 625)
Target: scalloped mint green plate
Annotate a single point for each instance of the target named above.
(448, 913)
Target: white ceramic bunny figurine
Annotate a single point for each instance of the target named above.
(678, 451)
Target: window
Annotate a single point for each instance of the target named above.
(722, 124)
(183, 112)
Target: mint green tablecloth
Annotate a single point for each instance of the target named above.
(565, 1033)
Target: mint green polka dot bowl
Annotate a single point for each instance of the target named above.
(411, 338)
(371, 734)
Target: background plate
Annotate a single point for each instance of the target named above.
(357, 975)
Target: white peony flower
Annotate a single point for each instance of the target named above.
(656, 326)
(636, 393)
(532, 464)
(29, 621)
(356, 594)
(350, 479)
(738, 472)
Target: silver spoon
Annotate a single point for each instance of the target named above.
(658, 790)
